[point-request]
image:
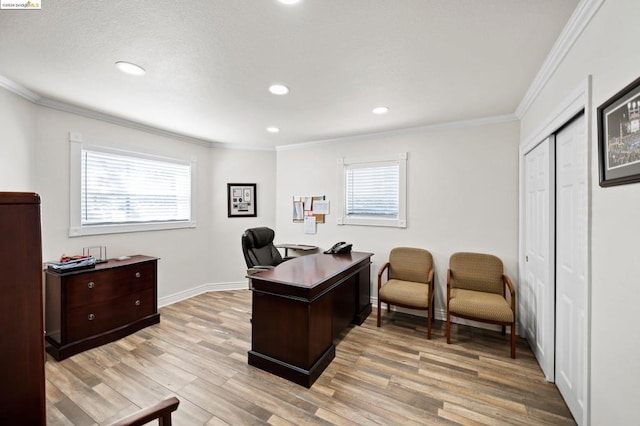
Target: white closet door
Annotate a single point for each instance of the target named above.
(536, 309)
(572, 266)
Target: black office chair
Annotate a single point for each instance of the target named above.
(259, 251)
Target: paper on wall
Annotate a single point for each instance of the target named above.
(310, 225)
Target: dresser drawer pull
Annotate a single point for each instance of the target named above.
(137, 303)
(91, 317)
(138, 275)
(91, 284)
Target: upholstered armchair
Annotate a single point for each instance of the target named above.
(476, 287)
(409, 281)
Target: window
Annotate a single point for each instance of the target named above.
(375, 192)
(120, 191)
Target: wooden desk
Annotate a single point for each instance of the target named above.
(301, 306)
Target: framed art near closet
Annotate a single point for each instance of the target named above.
(619, 137)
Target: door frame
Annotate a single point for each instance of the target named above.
(580, 99)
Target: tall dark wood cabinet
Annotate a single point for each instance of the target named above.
(22, 382)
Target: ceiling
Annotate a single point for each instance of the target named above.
(209, 63)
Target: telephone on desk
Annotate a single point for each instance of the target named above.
(339, 248)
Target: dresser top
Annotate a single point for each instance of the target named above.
(111, 263)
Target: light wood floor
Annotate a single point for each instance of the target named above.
(388, 375)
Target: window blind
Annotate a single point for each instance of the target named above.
(372, 190)
(121, 189)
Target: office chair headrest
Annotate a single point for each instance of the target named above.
(259, 237)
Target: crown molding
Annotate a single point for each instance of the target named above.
(573, 29)
(96, 115)
(33, 97)
(476, 122)
(89, 113)
(86, 112)
(19, 90)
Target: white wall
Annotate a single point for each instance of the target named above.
(235, 166)
(183, 253)
(462, 188)
(191, 260)
(608, 50)
(17, 140)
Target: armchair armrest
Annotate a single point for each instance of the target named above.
(512, 291)
(160, 411)
(380, 272)
(430, 281)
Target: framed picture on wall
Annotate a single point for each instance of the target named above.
(241, 200)
(619, 137)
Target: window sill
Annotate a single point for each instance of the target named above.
(119, 229)
(362, 221)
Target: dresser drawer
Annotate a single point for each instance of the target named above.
(101, 286)
(88, 308)
(89, 320)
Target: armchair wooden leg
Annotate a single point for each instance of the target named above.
(429, 323)
(379, 309)
(513, 341)
(448, 327)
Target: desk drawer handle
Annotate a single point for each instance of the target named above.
(137, 302)
(91, 317)
(91, 284)
(138, 274)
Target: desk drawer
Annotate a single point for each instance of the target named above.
(89, 320)
(102, 286)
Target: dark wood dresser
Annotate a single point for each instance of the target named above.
(22, 396)
(90, 307)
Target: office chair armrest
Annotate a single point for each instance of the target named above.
(380, 272)
(258, 268)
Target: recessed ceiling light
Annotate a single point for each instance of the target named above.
(380, 110)
(278, 89)
(289, 1)
(273, 129)
(129, 68)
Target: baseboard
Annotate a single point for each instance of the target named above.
(204, 288)
(441, 314)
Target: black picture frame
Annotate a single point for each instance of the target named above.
(241, 200)
(619, 137)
